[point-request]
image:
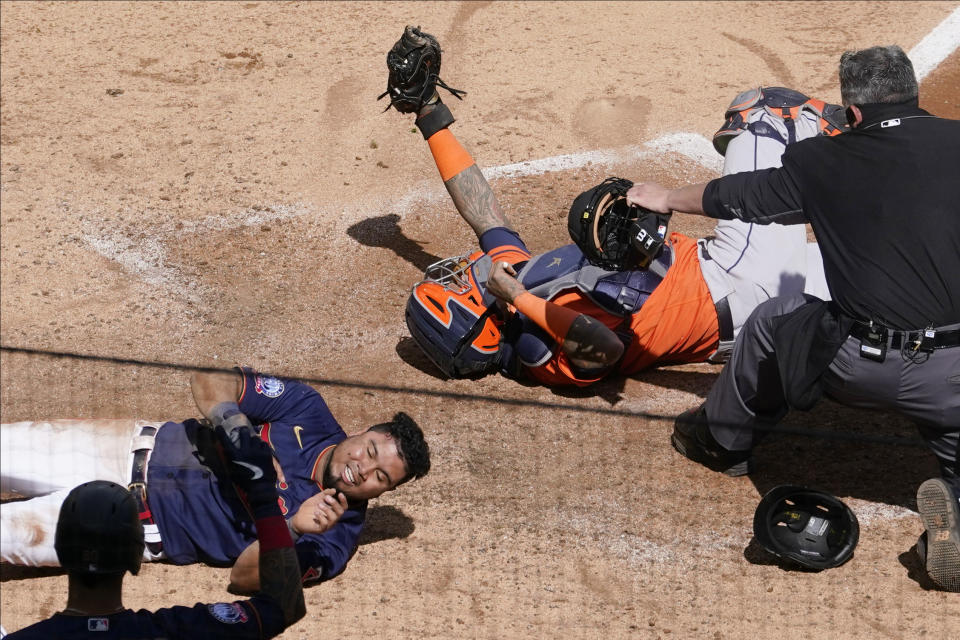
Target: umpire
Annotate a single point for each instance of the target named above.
(884, 202)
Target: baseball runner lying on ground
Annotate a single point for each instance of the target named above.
(563, 321)
(325, 477)
(99, 538)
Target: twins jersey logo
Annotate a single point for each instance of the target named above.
(228, 612)
(270, 387)
(98, 624)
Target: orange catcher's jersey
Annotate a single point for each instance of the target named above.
(675, 325)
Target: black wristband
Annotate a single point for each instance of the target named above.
(439, 118)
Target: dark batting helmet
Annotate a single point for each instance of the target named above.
(99, 530)
(812, 528)
(452, 318)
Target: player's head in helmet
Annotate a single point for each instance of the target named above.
(98, 539)
(452, 318)
(99, 530)
(377, 460)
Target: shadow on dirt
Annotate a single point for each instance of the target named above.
(853, 453)
(850, 453)
(610, 390)
(9, 572)
(915, 569)
(385, 523)
(413, 355)
(756, 554)
(384, 232)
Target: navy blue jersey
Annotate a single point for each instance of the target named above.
(296, 423)
(202, 520)
(255, 618)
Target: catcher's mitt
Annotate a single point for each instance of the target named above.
(414, 65)
(613, 234)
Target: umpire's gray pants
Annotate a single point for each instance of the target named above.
(748, 395)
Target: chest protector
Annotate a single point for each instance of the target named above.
(779, 102)
(620, 293)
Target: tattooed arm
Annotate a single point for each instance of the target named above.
(463, 179)
(476, 201)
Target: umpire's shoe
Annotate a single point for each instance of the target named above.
(692, 438)
(940, 513)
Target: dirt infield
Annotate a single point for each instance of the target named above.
(207, 184)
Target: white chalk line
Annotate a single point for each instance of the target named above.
(936, 46)
(146, 258)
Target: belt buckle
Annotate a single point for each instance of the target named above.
(139, 490)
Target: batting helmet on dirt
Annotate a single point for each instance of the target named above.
(99, 530)
(812, 528)
(452, 320)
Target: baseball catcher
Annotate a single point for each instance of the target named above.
(625, 296)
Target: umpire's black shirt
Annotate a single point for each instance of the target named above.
(884, 202)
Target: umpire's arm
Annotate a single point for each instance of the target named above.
(764, 196)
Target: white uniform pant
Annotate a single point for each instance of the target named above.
(44, 461)
(749, 263)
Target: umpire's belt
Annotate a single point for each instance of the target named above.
(944, 338)
(142, 446)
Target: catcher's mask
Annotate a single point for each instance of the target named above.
(99, 530)
(452, 320)
(812, 528)
(611, 233)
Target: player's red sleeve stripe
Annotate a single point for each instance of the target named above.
(265, 434)
(509, 254)
(313, 472)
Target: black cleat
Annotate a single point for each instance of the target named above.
(940, 514)
(692, 438)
